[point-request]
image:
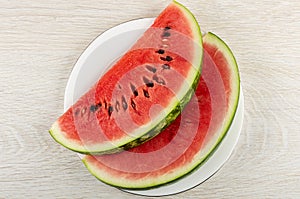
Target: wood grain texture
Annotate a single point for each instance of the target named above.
(40, 42)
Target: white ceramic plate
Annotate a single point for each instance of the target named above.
(97, 58)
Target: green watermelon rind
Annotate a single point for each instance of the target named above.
(193, 167)
(173, 110)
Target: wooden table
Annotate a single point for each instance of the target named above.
(40, 42)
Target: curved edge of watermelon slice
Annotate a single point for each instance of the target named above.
(159, 123)
(214, 41)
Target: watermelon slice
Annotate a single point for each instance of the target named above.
(179, 149)
(125, 107)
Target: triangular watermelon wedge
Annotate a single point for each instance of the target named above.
(142, 93)
(179, 149)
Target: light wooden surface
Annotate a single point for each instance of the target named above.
(40, 42)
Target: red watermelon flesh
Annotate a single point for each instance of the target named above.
(190, 139)
(142, 93)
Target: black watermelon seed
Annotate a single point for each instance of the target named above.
(146, 93)
(166, 34)
(160, 51)
(166, 66)
(124, 103)
(151, 68)
(93, 108)
(105, 104)
(168, 58)
(162, 58)
(133, 105)
(159, 80)
(110, 110)
(167, 28)
(148, 82)
(134, 91)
